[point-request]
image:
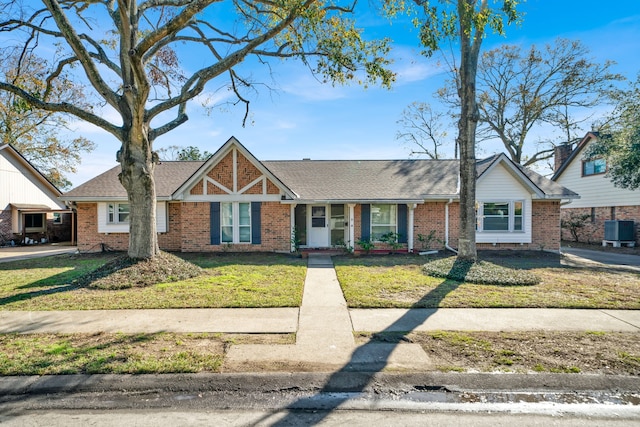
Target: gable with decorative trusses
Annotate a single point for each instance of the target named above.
(233, 173)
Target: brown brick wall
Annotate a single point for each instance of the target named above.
(223, 171)
(271, 188)
(593, 230)
(89, 240)
(545, 223)
(172, 239)
(426, 218)
(275, 229)
(247, 172)
(5, 225)
(197, 189)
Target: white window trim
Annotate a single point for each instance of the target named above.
(116, 211)
(57, 218)
(511, 203)
(395, 225)
(235, 223)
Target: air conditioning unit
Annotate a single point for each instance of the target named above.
(619, 230)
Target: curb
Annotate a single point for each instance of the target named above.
(316, 382)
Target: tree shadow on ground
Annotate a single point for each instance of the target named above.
(407, 323)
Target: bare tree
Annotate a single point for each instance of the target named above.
(129, 54)
(521, 90)
(422, 130)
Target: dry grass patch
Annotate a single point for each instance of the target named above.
(610, 353)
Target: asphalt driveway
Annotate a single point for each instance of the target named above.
(609, 258)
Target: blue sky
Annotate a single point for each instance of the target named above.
(302, 118)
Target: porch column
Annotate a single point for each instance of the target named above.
(410, 221)
(292, 233)
(352, 230)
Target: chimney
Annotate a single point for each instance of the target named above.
(561, 153)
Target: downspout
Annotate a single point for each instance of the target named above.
(446, 227)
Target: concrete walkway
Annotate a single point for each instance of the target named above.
(325, 334)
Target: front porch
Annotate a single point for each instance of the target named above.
(352, 227)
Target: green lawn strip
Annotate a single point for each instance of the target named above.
(229, 280)
(54, 354)
(398, 281)
(613, 353)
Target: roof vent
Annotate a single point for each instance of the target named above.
(306, 159)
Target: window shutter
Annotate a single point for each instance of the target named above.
(402, 223)
(366, 222)
(256, 232)
(214, 221)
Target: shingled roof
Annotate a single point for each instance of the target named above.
(334, 180)
(367, 180)
(169, 176)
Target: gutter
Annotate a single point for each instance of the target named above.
(446, 227)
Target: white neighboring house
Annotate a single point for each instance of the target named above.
(29, 204)
(599, 199)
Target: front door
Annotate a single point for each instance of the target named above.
(318, 232)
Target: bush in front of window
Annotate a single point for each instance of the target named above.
(366, 245)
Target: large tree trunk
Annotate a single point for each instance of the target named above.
(467, 124)
(138, 163)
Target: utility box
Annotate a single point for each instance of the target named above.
(619, 231)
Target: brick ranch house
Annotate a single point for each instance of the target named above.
(600, 200)
(233, 201)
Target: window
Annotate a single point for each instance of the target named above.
(383, 220)
(117, 213)
(57, 218)
(501, 216)
(235, 222)
(34, 222)
(594, 167)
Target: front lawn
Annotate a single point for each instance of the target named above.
(230, 280)
(102, 353)
(398, 281)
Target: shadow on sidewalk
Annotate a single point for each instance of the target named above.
(335, 384)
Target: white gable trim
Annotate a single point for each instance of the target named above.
(233, 146)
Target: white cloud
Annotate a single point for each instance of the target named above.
(305, 85)
(410, 66)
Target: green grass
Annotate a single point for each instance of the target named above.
(229, 280)
(398, 281)
(48, 354)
